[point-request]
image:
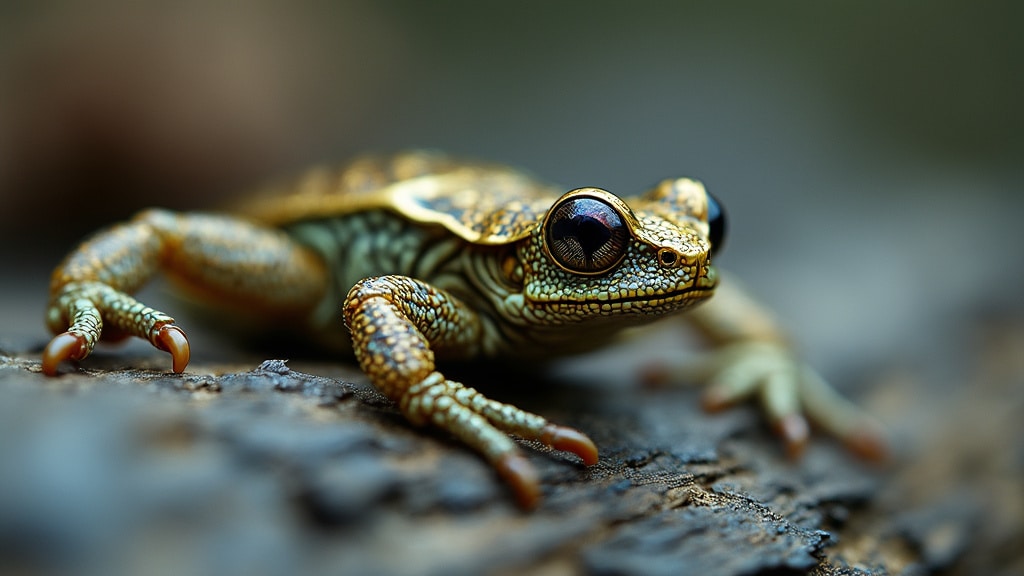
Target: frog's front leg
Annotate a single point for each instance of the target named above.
(754, 359)
(397, 325)
(223, 259)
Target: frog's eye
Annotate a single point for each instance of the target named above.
(586, 235)
(716, 224)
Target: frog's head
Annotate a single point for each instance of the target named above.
(593, 256)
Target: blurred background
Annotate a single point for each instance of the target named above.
(869, 154)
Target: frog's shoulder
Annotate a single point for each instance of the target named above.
(480, 202)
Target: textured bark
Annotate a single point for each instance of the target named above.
(269, 469)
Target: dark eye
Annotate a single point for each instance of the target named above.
(586, 235)
(716, 224)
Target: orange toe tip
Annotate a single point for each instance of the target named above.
(562, 438)
(66, 346)
(173, 340)
(869, 443)
(712, 402)
(795, 432)
(522, 477)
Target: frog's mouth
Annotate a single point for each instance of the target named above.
(672, 296)
(692, 294)
(616, 297)
(699, 290)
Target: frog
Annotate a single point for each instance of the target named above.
(414, 259)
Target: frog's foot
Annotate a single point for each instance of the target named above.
(788, 390)
(83, 308)
(484, 424)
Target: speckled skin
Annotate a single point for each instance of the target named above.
(426, 256)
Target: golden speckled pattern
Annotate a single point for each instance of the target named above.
(481, 203)
(677, 200)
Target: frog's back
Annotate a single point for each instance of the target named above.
(480, 202)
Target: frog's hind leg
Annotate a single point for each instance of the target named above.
(223, 259)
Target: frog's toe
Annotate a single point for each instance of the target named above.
(777, 384)
(794, 431)
(723, 393)
(738, 371)
(570, 440)
(172, 339)
(868, 442)
(522, 477)
(66, 346)
(862, 434)
(780, 397)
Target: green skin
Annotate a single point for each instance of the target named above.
(431, 256)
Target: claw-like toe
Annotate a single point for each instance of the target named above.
(66, 346)
(868, 442)
(562, 438)
(172, 339)
(714, 401)
(795, 432)
(522, 477)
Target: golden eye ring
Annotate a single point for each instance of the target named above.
(586, 233)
